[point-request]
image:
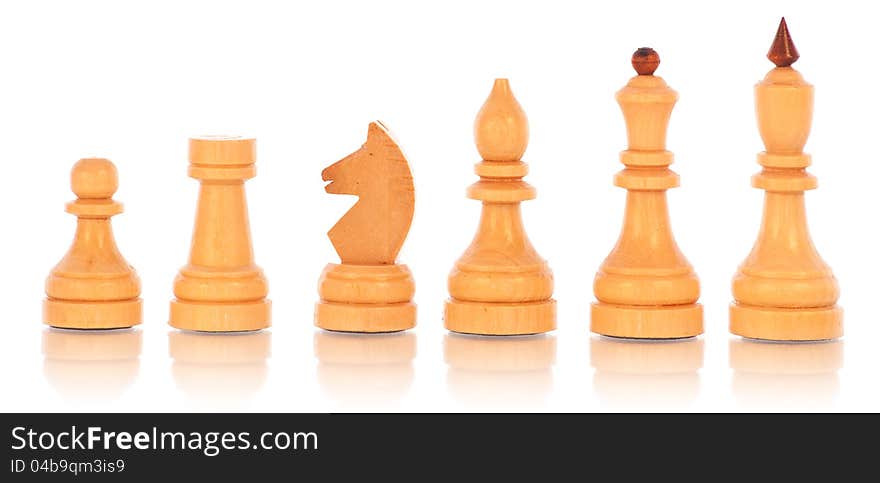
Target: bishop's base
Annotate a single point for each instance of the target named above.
(780, 324)
(642, 322)
(219, 316)
(488, 318)
(370, 318)
(67, 314)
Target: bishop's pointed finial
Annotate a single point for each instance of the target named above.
(783, 52)
(501, 129)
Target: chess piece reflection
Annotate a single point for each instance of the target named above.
(646, 374)
(364, 370)
(646, 288)
(784, 290)
(500, 285)
(785, 376)
(219, 370)
(221, 289)
(93, 287)
(91, 365)
(369, 291)
(491, 372)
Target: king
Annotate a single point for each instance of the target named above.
(784, 290)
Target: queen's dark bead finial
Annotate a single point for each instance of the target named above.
(645, 61)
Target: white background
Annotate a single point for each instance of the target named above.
(131, 81)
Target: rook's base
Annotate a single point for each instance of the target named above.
(220, 317)
(642, 322)
(782, 324)
(487, 318)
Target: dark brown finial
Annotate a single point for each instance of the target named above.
(645, 61)
(782, 52)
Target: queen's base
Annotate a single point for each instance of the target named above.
(642, 322)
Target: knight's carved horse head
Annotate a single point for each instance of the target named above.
(373, 230)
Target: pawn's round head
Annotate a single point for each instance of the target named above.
(645, 61)
(94, 178)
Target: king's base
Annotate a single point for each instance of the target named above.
(640, 322)
(220, 317)
(365, 317)
(66, 314)
(768, 323)
(488, 318)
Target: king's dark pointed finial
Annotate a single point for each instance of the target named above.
(783, 52)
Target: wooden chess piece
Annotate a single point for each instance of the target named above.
(645, 288)
(369, 291)
(500, 285)
(784, 290)
(221, 289)
(93, 287)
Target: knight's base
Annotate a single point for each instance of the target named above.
(366, 298)
(370, 318)
(640, 322)
(67, 314)
(780, 324)
(488, 318)
(219, 316)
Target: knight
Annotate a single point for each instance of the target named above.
(369, 291)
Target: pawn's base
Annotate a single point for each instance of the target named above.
(68, 314)
(781, 324)
(641, 322)
(370, 318)
(488, 318)
(220, 316)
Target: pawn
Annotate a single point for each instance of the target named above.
(646, 288)
(93, 287)
(784, 290)
(500, 285)
(369, 291)
(221, 289)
